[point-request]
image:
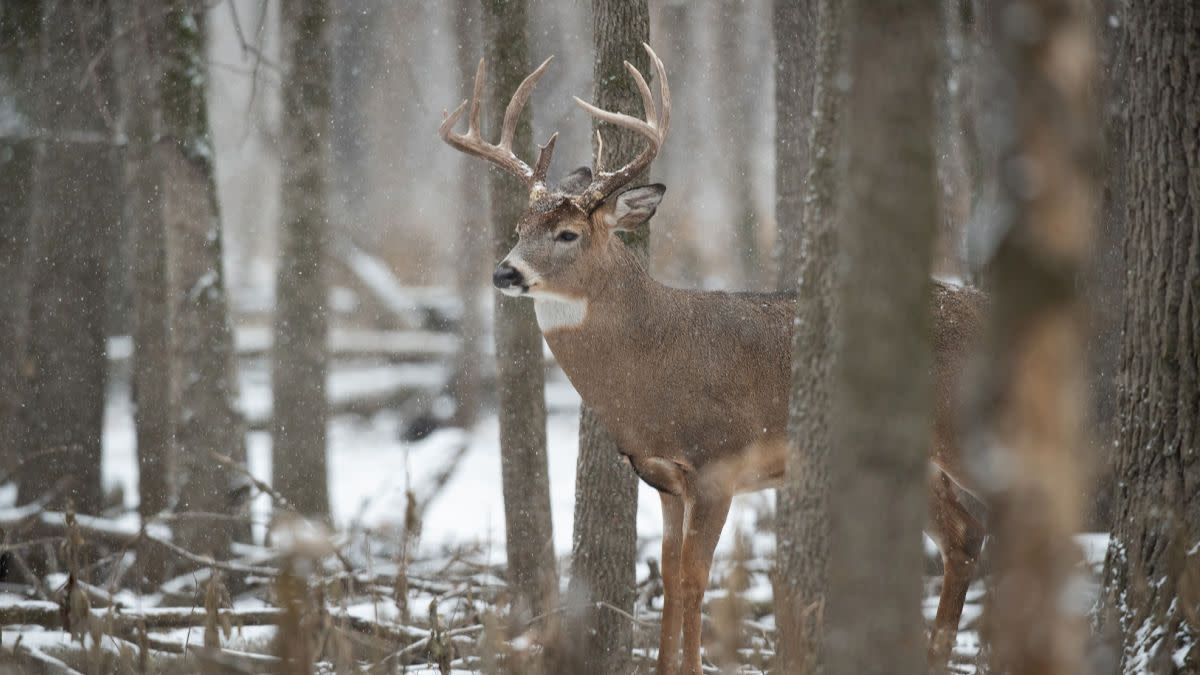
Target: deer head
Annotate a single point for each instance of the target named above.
(565, 234)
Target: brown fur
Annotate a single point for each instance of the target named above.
(694, 388)
(693, 385)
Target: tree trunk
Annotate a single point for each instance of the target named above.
(802, 506)
(604, 541)
(143, 211)
(794, 26)
(532, 576)
(301, 408)
(1034, 384)
(471, 272)
(73, 219)
(735, 115)
(202, 355)
(880, 431)
(20, 33)
(1152, 571)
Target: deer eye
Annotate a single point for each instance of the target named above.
(566, 235)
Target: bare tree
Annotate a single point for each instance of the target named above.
(301, 407)
(73, 215)
(521, 387)
(1152, 570)
(736, 56)
(142, 77)
(20, 32)
(202, 355)
(1033, 399)
(794, 27)
(802, 513)
(604, 543)
(882, 367)
(471, 276)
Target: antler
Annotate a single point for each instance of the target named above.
(501, 154)
(653, 128)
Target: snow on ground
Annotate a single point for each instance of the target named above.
(371, 468)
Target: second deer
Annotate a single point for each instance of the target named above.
(692, 385)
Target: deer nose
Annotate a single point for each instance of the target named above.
(506, 275)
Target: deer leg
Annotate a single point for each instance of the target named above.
(959, 536)
(668, 644)
(702, 528)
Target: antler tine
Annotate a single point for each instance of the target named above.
(664, 91)
(647, 97)
(621, 120)
(599, 152)
(513, 111)
(448, 121)
(476, 100)
(538, 181)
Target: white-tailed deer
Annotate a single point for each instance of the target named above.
(692, 385)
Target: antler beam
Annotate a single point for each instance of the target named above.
(500, 154)
(653, 129)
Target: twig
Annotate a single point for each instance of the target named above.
(278, 498)
(39, 455)
(599, 604)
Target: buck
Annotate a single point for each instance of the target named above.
(693, 386)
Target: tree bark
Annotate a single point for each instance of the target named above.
(802, 506)
(143, 211)
(882, 403)
(20, 33)
(735, 114)
(794, 27)
(202, 355)
(300, 357)
(604, 541)
(73, 218)
(521, 386)
(1033, 391)
(1152, 570)
(471, 272)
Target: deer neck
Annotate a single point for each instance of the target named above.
(598, 328)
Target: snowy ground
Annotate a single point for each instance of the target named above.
(372, 468)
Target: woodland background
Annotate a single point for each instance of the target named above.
(250, 394)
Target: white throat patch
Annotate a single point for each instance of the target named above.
(555, 311)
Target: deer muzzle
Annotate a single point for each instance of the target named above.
(508, 278)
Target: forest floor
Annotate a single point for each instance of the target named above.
(409, 580)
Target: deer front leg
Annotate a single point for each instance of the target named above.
(702, 529)
(959, 536)
(668, 643)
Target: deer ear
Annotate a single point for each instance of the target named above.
(632, 207)
(575, 182)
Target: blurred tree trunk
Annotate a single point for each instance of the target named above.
(1034, 384)
(202, 355)
(1108, 270)
(73, 216)
(604, 541)
(142, 73)
(301, 408)
(880, 430)
(356, 34)
(794, 26)
(1152, 571)
(473, 262)
(735, 115)
(802, 511)
(532, 576)
(20, 33)
(954, 180)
